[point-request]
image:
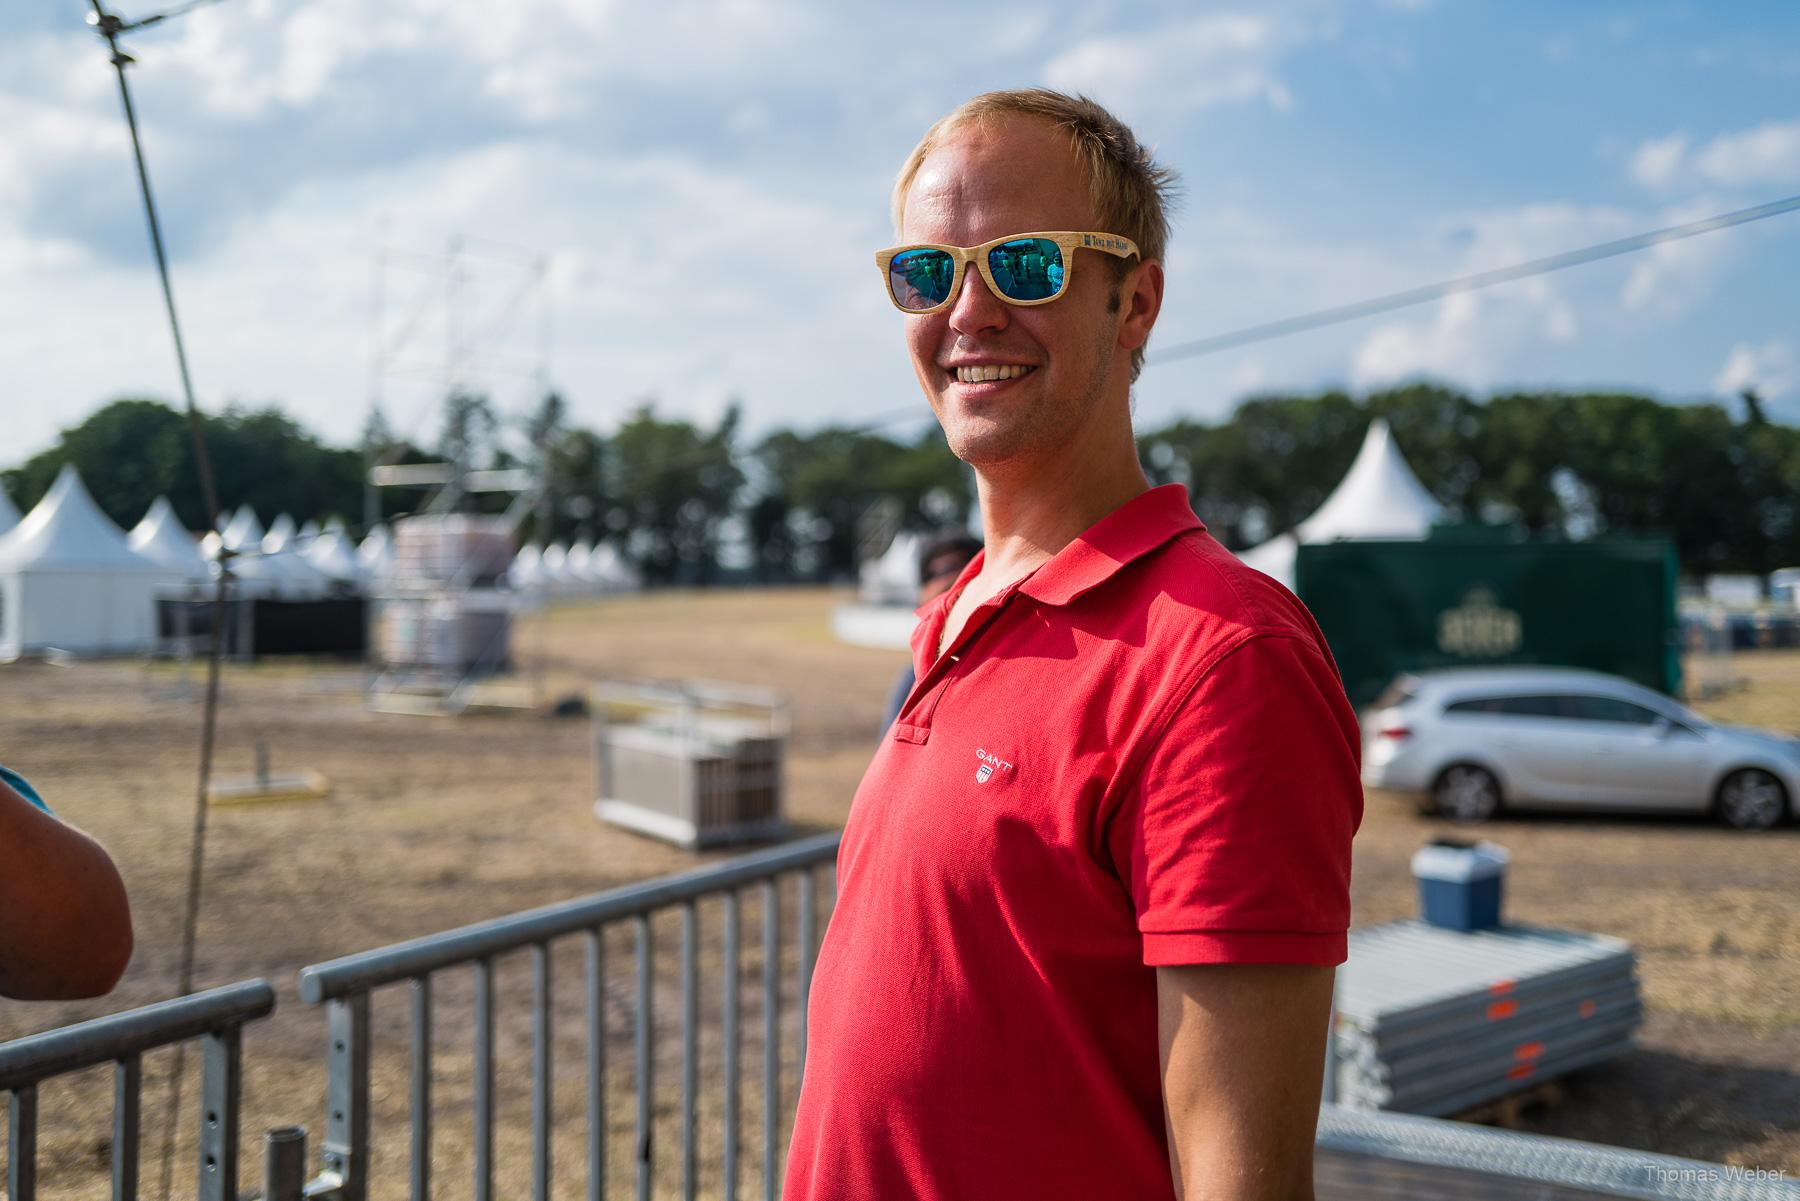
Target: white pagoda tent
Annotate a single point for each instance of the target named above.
(69, 581)
(376, 555)
(264, 565)
(280, 536)
(893, 578)
(160, 536)
(575, 569)
(333, 553)
(609, 571)
(1379, 498)
(526, 572)
(243, 532)
(287, 573)
(552, 568)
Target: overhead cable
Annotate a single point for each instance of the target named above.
(1466, 283)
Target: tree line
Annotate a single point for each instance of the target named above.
(699, 502)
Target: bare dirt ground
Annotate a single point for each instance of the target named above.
(434, 823)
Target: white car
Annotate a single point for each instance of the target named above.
(1475, 740)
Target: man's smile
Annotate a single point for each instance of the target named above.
(988, 373)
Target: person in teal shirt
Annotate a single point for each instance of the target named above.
(65, 921)
(20, 785)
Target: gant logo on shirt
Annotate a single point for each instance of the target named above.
(990, 763)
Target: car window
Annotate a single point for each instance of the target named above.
(1532, 706)
(1474, 704)
(1611, 708)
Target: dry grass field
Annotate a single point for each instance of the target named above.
(438, 822)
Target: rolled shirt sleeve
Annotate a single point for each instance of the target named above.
(1234, 841)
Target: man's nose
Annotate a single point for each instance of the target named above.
(976, 307)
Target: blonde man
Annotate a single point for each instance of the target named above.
(1095, 882)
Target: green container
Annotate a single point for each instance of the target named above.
(1458, 601)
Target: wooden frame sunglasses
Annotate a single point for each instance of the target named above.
(914, 275)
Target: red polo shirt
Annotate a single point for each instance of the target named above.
(1139, 754)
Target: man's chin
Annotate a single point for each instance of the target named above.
(982, 445)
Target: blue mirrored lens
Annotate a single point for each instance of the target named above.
(920, 279)
(1027, 268)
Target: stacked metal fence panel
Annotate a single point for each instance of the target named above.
(1395, 1157)
(1433, 1021)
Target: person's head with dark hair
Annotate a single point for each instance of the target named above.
(942, 559)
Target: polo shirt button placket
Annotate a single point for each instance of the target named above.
(914, 722)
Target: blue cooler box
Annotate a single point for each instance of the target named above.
(1459, 884)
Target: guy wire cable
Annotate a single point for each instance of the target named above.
(110, 27)
(1339, 314)
(1467, 283)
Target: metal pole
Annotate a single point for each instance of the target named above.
(284, 1164)
(110, 27)
(646, 1096)
(484, 1080)
(421, 1088)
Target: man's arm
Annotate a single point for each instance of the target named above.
(1243, 1059)
(65, 923)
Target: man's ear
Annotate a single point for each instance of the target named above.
(1142, 294)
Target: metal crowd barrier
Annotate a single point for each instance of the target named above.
(216, 1017)
(1361, 1156)
(344, 985)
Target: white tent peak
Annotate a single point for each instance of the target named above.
(893, 578)
(244, 532)
(1378, 498)
(333, 553)
(67, 530)
(376, 554)
(69, 581)
(162, 537)
(281, 533)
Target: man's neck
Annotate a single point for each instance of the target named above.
(1030, 511)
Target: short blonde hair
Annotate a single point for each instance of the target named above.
(1131, 191)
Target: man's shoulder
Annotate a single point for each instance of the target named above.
(1200, 596)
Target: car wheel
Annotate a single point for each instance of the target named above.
(1751, 799)
(1466, 793)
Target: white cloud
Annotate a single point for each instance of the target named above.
(1207, 61)
(1494, 335)
(1670, 277)
(668, 276)
(1656, 162)
(1765, 155)
(1773, 369)
(1453, 343)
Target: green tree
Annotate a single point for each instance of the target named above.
(827, 478)
(128, 453)
(675, 486)
(580, 496)
(132, 451)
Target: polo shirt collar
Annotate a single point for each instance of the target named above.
(1132, 530)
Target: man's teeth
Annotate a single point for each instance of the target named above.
(990, 371)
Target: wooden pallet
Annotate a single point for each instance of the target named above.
(256, 790)
(1508, 1112)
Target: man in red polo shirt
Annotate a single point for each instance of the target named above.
(1093, 887)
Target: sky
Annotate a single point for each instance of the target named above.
(365, 201)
